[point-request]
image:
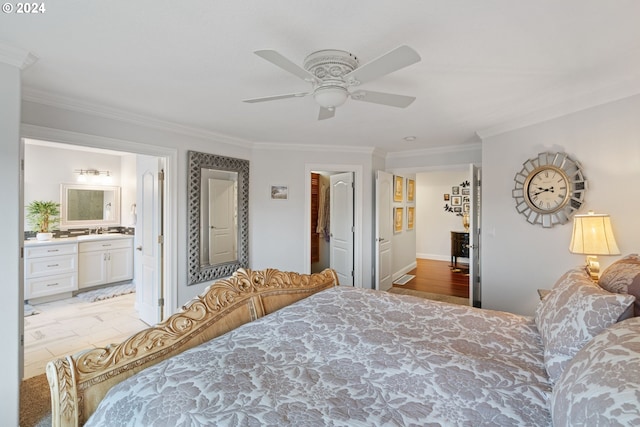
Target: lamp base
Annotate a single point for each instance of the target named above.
(593, 267)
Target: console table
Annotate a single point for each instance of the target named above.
(459, 246)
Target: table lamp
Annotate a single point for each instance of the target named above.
(592, 235)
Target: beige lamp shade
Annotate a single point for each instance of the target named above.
(592, 235)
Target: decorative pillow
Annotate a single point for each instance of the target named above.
(573, 313)
(623, 277)
(601, 385)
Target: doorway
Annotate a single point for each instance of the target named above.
(85, 145)
(346, 224)
(435, 220)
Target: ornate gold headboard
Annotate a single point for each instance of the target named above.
(80, 381)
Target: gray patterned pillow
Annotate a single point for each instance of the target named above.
(623, 277)
(601, 385)
(573, 313)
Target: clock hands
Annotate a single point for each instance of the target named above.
(543, 190)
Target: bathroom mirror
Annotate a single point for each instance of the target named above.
(218, 191)
(89, 206)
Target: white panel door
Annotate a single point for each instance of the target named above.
(384, 230)
(222, 235)
(341, 224)
(475, 296)
(147, 259)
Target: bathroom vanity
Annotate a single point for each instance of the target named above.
(58, 267)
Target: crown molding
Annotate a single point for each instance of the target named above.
(312, 147)
(76, 105)
(16, 56)
(95, 142)
(435, 150)
(563, 107)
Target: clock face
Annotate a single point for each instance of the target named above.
(547, 189)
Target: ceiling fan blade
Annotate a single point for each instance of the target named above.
(398, 58)
(326, 113)
(282, 62)
(391, 99)
(275, 97)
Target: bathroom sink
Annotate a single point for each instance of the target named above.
(104, 236)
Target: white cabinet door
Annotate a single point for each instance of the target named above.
(92, 269)
(120, 265)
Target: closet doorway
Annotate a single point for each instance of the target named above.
(333, 228)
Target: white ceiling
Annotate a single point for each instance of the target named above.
(487, 65)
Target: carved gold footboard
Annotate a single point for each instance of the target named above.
(79, 382)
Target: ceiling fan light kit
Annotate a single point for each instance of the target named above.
(330, 96)
(331, 72)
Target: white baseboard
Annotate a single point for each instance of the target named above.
(404, 270)
(434, 257)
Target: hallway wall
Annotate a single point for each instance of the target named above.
(433, 223)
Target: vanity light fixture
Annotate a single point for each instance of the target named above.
(93, 175)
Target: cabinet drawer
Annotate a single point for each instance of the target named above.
(50, 285)
(50, 250)
(47, 266)
(105, 245)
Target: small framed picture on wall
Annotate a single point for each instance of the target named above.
(398, 189)
(279, 192)
(411, 212)
(398, 219)
(411, 190)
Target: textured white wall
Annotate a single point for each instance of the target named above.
(518, 258)
(404, 243)
(278, 227)
(10, 261)
(434, 224)
(47, 167)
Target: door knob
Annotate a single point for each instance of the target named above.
(139, 248)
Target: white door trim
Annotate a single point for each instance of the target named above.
(171, 184)
(357, 209)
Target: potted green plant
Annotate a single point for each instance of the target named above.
(43, 217)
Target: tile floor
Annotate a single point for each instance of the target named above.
(67, 326)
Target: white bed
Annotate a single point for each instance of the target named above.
(346, 357)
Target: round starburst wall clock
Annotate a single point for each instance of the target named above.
(549, 189)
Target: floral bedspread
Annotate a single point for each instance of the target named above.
(348, 357)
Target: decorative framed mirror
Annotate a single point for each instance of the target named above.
(89, 206)
(218, 209)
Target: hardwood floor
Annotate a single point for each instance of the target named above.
(437, 277)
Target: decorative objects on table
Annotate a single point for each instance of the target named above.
(43, 216)
(465, 221)
(549, 189)
(592, 235)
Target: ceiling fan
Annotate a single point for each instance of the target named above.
(332, 72)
